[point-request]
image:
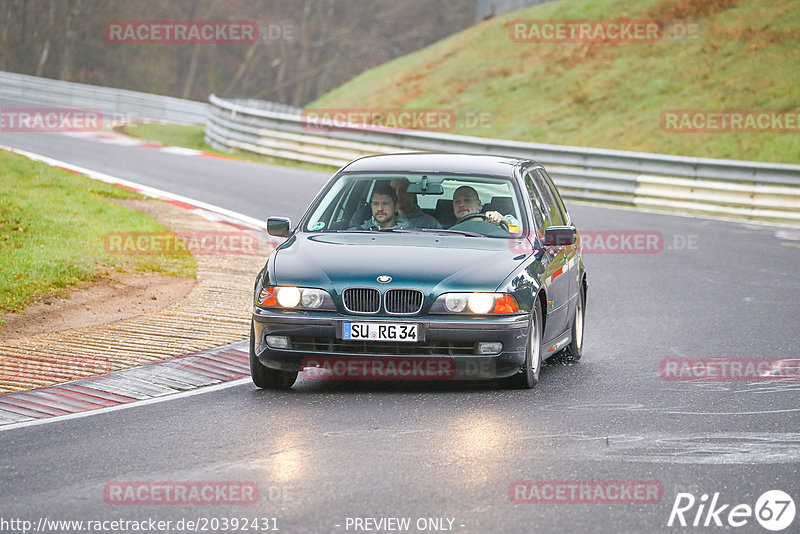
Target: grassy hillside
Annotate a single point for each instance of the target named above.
(744, 54)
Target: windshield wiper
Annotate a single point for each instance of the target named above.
(438, 231)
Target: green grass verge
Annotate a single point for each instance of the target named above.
(52, 229)
(193, 136)
(743, 55)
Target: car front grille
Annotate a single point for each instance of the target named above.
(361, 300)
(395, 301)
(338, 346)
(403, 301)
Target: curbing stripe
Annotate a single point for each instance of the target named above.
(67, 394)
(140, 384)
(89, 393)
(51, 399)
(11, 410)
(25, 408)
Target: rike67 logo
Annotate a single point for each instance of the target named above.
(774, 510)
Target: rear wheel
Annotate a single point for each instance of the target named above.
(263, 376)
(533, 353)
(574, 351)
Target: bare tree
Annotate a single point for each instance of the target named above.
(49, 33)
(331, 41)
(72, 18)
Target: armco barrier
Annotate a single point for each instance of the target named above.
(120, 102)
(714, 187)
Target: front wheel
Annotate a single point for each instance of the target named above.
(529, 376)
(263, 376)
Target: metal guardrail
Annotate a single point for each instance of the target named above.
(723, 188)
(120, 103)
(716, 187)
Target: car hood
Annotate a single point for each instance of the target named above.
(428, 262)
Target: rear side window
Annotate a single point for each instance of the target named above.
(555, 215)
(553, 193)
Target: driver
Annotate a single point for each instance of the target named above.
(466, 201)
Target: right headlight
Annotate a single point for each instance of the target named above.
(475, 303)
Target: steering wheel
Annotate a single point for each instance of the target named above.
(469, 216)
(482, 216)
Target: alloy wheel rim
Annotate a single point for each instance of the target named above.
(579, 324)
(535, 343)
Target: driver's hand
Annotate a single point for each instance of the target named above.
(495, 218)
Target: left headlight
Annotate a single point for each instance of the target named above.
(295, 298)
(475, 303)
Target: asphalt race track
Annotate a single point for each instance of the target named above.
(445, 455)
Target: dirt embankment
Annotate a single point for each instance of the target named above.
(126, 320)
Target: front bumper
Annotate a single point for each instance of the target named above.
(451, 342)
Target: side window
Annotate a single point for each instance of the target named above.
(555, 213)
(537, 202)
(341, 206)
(554, 193)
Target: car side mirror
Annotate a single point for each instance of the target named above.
(279, 226)
(560, 236)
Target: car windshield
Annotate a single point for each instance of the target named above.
(418, 202)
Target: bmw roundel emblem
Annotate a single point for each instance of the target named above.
(384, 279)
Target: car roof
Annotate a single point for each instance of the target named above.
(442, 163)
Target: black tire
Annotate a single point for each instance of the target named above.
(264, 377)
(529, 376)
(574, 351)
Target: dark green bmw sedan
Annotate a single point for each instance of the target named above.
(422, 267)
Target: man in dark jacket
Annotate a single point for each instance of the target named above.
(407, 206)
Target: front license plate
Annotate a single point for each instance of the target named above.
(380, 331)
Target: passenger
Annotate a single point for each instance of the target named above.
(466, 201)
(407, 206)
(384, 210)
